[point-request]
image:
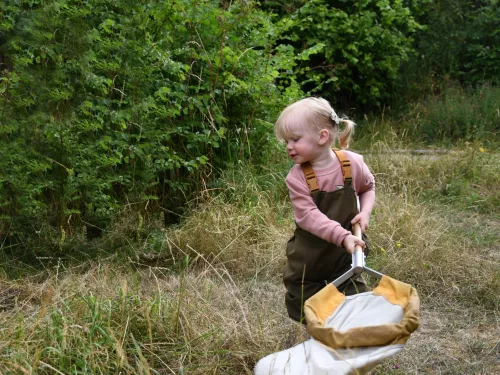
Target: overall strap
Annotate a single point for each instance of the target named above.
(345, 165)
(310, 177)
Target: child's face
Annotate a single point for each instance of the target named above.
(303, 145)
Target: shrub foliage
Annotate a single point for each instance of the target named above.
(117, 103)
(461, 40)
(359, 46)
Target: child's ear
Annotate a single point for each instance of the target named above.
(324, 136)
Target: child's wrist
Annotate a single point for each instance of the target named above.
(343, 238)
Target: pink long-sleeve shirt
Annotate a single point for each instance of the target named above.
(306, 213)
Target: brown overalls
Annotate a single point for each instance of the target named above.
(312, 261)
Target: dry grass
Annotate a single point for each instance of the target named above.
(211, 302)
(109, 319)
(438, 242)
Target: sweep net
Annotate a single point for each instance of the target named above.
(350, 334)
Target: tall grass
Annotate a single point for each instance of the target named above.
(432, 235)
(459, 114)
(448, 115)
(206, 297)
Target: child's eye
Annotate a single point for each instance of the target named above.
(292, 140)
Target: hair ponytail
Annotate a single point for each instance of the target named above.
(345, 136)
(314, 114)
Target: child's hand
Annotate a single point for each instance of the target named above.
(363, 218)
(350, 243)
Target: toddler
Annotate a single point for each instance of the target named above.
(324, 187)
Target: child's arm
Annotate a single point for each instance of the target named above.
(306, 213)
(366, 202)
(364, 184)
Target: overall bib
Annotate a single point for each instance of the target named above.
(312, 261)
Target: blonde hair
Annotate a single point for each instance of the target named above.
(313, 114)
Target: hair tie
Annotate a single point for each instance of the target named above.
(334, 117)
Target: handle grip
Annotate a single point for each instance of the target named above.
(358, 257)
(356, 231)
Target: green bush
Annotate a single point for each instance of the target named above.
(116, 104)
(461, 41)
(354, 49)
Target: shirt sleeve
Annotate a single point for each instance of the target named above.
(306, 213)
(363, 179)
